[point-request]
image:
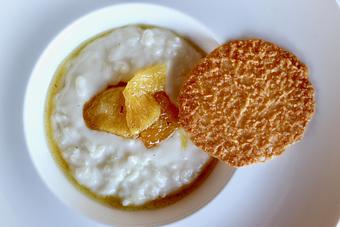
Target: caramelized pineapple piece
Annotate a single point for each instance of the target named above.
(164, 126)
(142, 110)
(106, 112)
(127, 111)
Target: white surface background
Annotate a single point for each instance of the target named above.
(301, 188)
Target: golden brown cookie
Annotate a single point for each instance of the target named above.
(246, 102)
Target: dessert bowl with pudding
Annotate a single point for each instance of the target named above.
(104, 134)
(129, 171)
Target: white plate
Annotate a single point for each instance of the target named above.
(301, 188)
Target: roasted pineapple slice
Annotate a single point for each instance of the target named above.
(106, 112)
(127, 111)
(164, 126)
(142, 110)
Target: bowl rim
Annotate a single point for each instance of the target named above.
(28, 125)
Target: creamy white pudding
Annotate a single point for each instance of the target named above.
(109, 165)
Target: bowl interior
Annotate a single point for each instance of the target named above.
(34, 106)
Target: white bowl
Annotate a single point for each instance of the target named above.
(34, 106)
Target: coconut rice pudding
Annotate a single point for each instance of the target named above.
(108, 165)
